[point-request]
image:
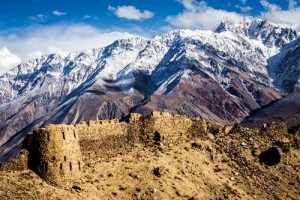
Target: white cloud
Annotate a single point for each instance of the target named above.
(87, 16)
(131, 13)
(292, 4)
(35, 54)
(190, 4)
(166, 29)
(269, 6)
(34, 41)
(197, 14)
(200, 15)
(7, 60)
(58, 13)
(276, 14)
(244, 9)
(38, 18)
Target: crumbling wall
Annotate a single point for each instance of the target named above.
(166, 128)
(106, 138)
(56, 152)
(98, 129)
(102, 139)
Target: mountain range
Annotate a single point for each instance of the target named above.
(223, 76)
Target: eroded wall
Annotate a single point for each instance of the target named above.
(55, 155)
(57, 152)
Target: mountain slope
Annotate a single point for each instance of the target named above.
(285, 70)
(220, 76)
(286, 110)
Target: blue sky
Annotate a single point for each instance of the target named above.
(20, 13)
(31, 28)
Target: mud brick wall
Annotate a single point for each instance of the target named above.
(55, 154)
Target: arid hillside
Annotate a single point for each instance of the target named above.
(156, 157)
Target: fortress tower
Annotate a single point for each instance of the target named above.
(55, 154)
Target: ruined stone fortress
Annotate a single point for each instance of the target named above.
(57, 153)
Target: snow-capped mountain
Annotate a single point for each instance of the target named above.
(219, 75)
(273, 36)
(285, 70)
(285, 67)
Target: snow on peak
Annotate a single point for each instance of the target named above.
(245, 45)
(271, 35)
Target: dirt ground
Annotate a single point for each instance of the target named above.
(244, 164)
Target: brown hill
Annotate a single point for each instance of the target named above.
(155, 157)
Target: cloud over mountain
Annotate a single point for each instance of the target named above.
(131, 13)
(200, 15)
(33, 41)
(276, 14)
(7, 60)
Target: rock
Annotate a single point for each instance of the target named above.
(114, 193)
(286, 140)
(196, 145)
(152, 190)
(232, 178)
(179, 193)
(243, 144)
(160, 146)
(291, 183)
(122, 188)
(209, 148)
(75, 187)
(137, 145)
(133, 175)
(186, 148)
(193, 198)
(179, 178)
(270, 157)
(225, 160)
(110, 175)
(276, 178)
(157, 171)
(217, 169)
(227, 129)
(210, 136)
(283, 144)
(255, 152)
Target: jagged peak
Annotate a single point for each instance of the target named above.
(269, 33)
(185, 33)
(135, 41)
(248, 23)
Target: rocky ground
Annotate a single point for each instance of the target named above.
(243, 164)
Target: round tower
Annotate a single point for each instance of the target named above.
(55, 154)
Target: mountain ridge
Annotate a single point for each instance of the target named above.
(220, 76)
